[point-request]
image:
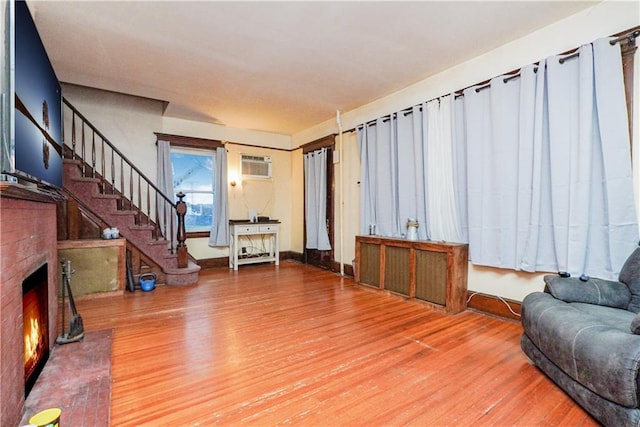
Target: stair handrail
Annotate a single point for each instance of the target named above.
(160, 196)
(114, 148)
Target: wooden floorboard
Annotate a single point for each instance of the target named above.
(294, 344)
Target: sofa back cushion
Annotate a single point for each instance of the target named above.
(593, 291)
(630, 276)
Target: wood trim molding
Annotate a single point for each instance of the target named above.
(494, 305)
(628, 49)
(188, 141)
(327, 141)
(197, 234)
(221, 262)
(348, 269)
(266, 147)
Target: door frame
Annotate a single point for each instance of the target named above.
(322, 259)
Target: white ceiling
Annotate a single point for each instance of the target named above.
(274, 66)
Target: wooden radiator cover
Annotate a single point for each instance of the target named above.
(434, 272)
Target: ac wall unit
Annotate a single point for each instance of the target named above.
(255, 166)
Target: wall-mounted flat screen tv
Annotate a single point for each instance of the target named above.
(38, 106)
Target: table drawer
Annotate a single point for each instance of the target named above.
(246, 228)
(268, 228)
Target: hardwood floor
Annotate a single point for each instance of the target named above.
(300, 345)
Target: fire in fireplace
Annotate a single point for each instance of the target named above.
(35, 320)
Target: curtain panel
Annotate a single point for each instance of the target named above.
(549, 181)
(165, 184)
(315, 205)
(442, 219)
(219, 233)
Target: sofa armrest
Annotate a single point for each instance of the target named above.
(593, 291)
(590, 344)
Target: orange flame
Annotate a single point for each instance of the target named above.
(31, 340)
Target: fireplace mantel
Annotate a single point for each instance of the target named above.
(28, 240)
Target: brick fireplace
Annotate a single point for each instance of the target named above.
(27, 242)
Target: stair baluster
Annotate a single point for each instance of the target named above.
(93, 154)
(73, 136)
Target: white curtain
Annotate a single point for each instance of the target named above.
(549, 183)
(366, 147)
(593, 213)
(380, 184)
(165, 185)
(442, 213)
(460, 166)
(315, 182)
(412, 202)
(219, 234)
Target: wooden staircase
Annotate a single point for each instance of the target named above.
(95, 189)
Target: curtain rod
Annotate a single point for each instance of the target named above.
(574, 53)
(629, 35)
(385, 118)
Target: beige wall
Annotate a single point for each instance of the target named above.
(349, 167)
(297, 201)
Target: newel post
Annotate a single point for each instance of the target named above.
(181, 209)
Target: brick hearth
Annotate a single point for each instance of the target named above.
(27, 241)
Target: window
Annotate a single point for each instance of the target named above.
(193, 174)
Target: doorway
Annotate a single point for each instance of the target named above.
(323, 258)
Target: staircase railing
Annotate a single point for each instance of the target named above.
(120, 178)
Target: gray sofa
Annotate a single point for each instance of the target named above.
(584, 336)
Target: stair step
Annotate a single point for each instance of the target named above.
(124, 213)
(106, 196)
(190, 268)
(142, 227)
(183, 276)
(87, 179)
(158, 242)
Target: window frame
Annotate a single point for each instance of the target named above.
(180, 141)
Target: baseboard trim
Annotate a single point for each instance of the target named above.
(348, 268)
(221, 262)
(213, 262)
(494, 305)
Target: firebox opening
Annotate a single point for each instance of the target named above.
(35, 321)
